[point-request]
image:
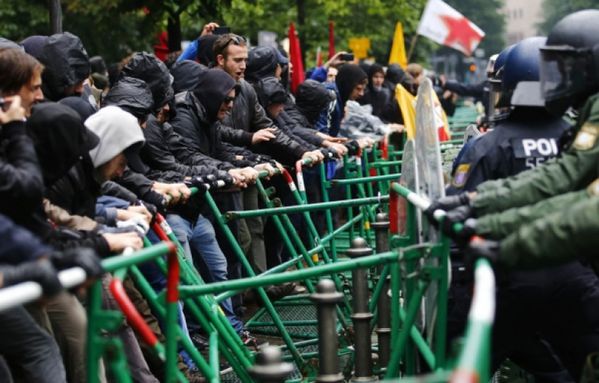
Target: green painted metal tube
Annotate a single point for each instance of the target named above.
(297, 275)
(213, 355)
(149, 253)
(420, 342)
(363, 180)
(304, 208)
(94, 342)
(399, 346)
(249, 270)
(385, 164)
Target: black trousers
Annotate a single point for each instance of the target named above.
(31, 352)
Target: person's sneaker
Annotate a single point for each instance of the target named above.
(251, 341)
(298, 289)
(225, 368)
(199, 341)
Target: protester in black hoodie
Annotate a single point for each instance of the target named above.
(376, 94)
(65, 60)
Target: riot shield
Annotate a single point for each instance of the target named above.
(407, 179)
(429, 182)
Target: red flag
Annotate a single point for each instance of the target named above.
(295, 58)
(331, 39)
(445, 25)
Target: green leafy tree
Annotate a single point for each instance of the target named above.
(554, 10)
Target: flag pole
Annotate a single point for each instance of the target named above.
(412, 45)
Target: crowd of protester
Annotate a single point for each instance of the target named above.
(90, 153)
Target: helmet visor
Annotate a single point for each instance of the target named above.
(564, 72)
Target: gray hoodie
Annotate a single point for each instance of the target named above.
(119, 131)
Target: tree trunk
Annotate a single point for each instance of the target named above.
(174, 32)
(55, 13)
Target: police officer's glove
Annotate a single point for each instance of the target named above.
(83, 257)
(459, 226)
(446, 203)
(40, 271)
(482, 248)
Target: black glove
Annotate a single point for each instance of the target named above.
(40, 271)
(483, 248)
(328, 153)
(83, 257)
(157, 200)
(446, 203)
(460, 216)
(352, 147)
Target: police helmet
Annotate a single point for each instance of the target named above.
(520, 84)
(570, 61)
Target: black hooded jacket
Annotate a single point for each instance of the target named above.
(262, 62)
(132, 95)
(247, 117)
(186, 75)
(157, 154)
(377, 98)
(205, 55)
(311, 99)
(196, 123)
(65, 63)
(270, 91)
(62, 142)
(349, 76)
(147, 67)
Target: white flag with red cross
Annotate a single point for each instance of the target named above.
(444, 25)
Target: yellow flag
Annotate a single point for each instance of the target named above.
(398, 49)
(407, 105)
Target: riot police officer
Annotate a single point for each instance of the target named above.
(569, 73)
(526, 136)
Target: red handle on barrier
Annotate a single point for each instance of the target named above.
(393, 212)
(172, 279)
(131, 313)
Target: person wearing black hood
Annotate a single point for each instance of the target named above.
(66, 63)
(376, 94)
(147, 67)
(351, 82)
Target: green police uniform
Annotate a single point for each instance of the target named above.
(576, 169)
(500, 225)
(558, 237)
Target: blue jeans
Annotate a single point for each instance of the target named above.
(199, 239)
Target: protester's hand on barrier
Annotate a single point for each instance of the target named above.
(83, 257)
(315, 156)
(174, 193)
(365, 142)
(268, 167)
(11, 110)
(339, 149)
(263, 135)
(119, 242)
(143, 210)
(446, 204)
(209, 28)
(327, 137)
(42, 272)
(238, 178)
(483, 248)
(250, 174)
